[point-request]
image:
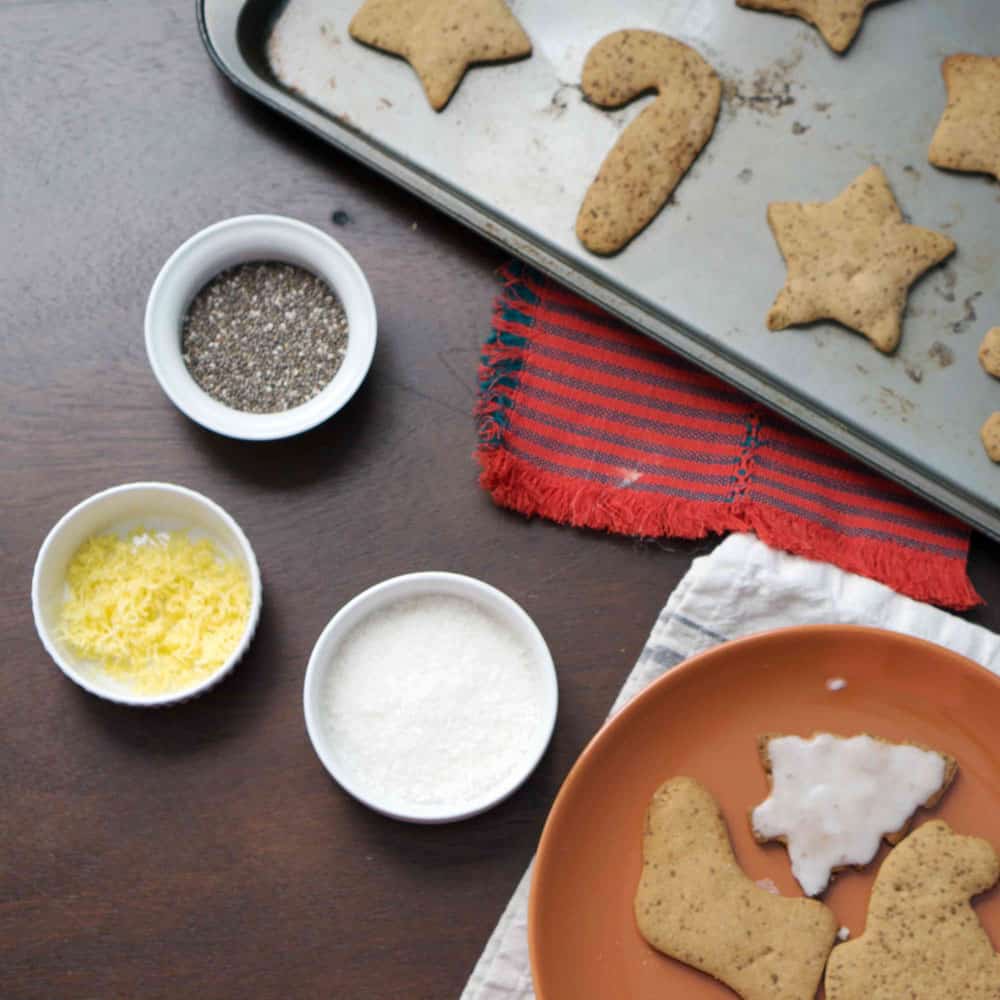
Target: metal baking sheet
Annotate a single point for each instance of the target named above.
(513, 153)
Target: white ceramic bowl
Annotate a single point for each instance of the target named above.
(241, 240)
(383, 595)
(158, 507)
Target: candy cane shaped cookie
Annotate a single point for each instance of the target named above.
(653, 153)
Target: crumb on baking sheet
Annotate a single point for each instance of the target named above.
(768, 91)
(969, 314)
(942, 354)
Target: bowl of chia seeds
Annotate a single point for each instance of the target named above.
(260, 327)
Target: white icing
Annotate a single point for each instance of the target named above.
(833, 799)
(768, 885)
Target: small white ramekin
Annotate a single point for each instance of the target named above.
(241, 240)
(389, 592)
(158, 507)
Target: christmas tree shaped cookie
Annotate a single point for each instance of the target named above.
(833, 799)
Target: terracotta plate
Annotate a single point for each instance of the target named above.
(702, 719)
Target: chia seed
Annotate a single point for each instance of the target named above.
(264, 337)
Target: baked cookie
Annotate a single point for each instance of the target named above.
(695, 904)
(922, 938)
(833, 799)
(852, 260)
(441, 39)
(654, 151)
(989, 352)
(968, 135)
(838, 21)
(991, 436)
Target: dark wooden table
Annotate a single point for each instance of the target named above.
(202, 850)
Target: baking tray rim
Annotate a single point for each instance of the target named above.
(226, 54)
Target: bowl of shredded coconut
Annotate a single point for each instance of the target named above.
(430, 697)
(146, 594)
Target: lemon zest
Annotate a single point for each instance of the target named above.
(154, 609)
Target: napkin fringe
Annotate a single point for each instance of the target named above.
(534, 492)
(924, 577)
(521, 483)
(505, 354)
(519, 486)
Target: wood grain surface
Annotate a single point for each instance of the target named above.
(202, 850)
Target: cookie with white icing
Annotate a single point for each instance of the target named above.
(834, 799)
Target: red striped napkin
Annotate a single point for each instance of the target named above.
(588, 423)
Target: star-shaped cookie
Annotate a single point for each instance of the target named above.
(852, 259)
(441, 39)
(968, 135)
(838, 21)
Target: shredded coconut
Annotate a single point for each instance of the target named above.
(843, 934)
(433, 701)
(768, 885)
(836, 684)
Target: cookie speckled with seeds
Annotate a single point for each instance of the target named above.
(968, 135)
(852, 260)
(838, 21)
(441, 39)
(695, 904)
(922, 938)
(653, 152)
(989, 352)
(991, 436)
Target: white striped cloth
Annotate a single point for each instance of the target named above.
(741, 588)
